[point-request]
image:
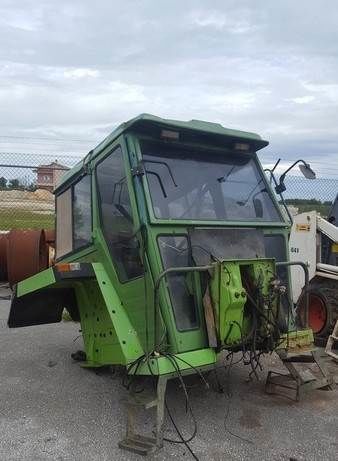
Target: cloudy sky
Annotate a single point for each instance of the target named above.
(71, 71)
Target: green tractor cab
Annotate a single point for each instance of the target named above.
(167, 239)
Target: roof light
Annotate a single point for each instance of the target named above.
(168, 134)
(242, 146)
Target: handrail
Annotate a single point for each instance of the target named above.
(172, 270)
(305, 268)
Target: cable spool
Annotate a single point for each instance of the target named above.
(50, 237)
(26, 254)
(3, 258)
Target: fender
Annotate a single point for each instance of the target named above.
(86, 291)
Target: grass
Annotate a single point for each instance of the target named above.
(16, 218)
(322, 209)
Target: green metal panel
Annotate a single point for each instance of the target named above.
(108, 334)
(43, 279)
(229, 296)
(184, 361)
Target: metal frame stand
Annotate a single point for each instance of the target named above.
(139, 443)
(332, 339)
(298, 381)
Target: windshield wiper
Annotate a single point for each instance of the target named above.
(225, 177)
(245, 201)
(166, 165)
(140, 170)
(159, 181)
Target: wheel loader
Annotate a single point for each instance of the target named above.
(170, 248)
(314, 240)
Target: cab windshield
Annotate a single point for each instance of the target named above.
(195, 184)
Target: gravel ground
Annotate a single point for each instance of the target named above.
(52, 409)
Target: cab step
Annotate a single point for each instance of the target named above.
(139, 443)
(299, 379)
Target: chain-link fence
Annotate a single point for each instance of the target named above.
(303, 195)
(27, 182)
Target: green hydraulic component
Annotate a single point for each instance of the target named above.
(233, 313)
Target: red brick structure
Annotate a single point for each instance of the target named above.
(49, 175)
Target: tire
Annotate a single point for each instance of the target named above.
(323, 308)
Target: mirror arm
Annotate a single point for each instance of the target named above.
(282, 177)
(275, 165)
(280, 194)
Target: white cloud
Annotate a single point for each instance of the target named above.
(303, 99)
(234, 22)
(81, 73)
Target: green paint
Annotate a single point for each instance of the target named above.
(38, 281)
(229, 296)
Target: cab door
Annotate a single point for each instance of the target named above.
(116, 216)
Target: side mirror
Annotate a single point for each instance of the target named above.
(307, 171)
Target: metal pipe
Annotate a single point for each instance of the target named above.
(272, 176)
(31, 167)
(327, 267)
(172, 270)
(305, 268)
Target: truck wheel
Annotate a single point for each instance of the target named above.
(323, 308)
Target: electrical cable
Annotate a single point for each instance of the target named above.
(179, 434)
(188, 406)
(171, 357)
(192, 367)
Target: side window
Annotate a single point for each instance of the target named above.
(174, 252)
(116, 216)
(64, 240)
(82, 217)
(74, 217)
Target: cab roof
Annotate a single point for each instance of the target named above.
(146, 122)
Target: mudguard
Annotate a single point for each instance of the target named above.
(41, 298)
(42, 306)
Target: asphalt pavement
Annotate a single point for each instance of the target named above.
(52, 409)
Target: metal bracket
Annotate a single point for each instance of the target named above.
(138, 170)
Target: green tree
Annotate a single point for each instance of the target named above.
(3, 183)
(14, 183)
